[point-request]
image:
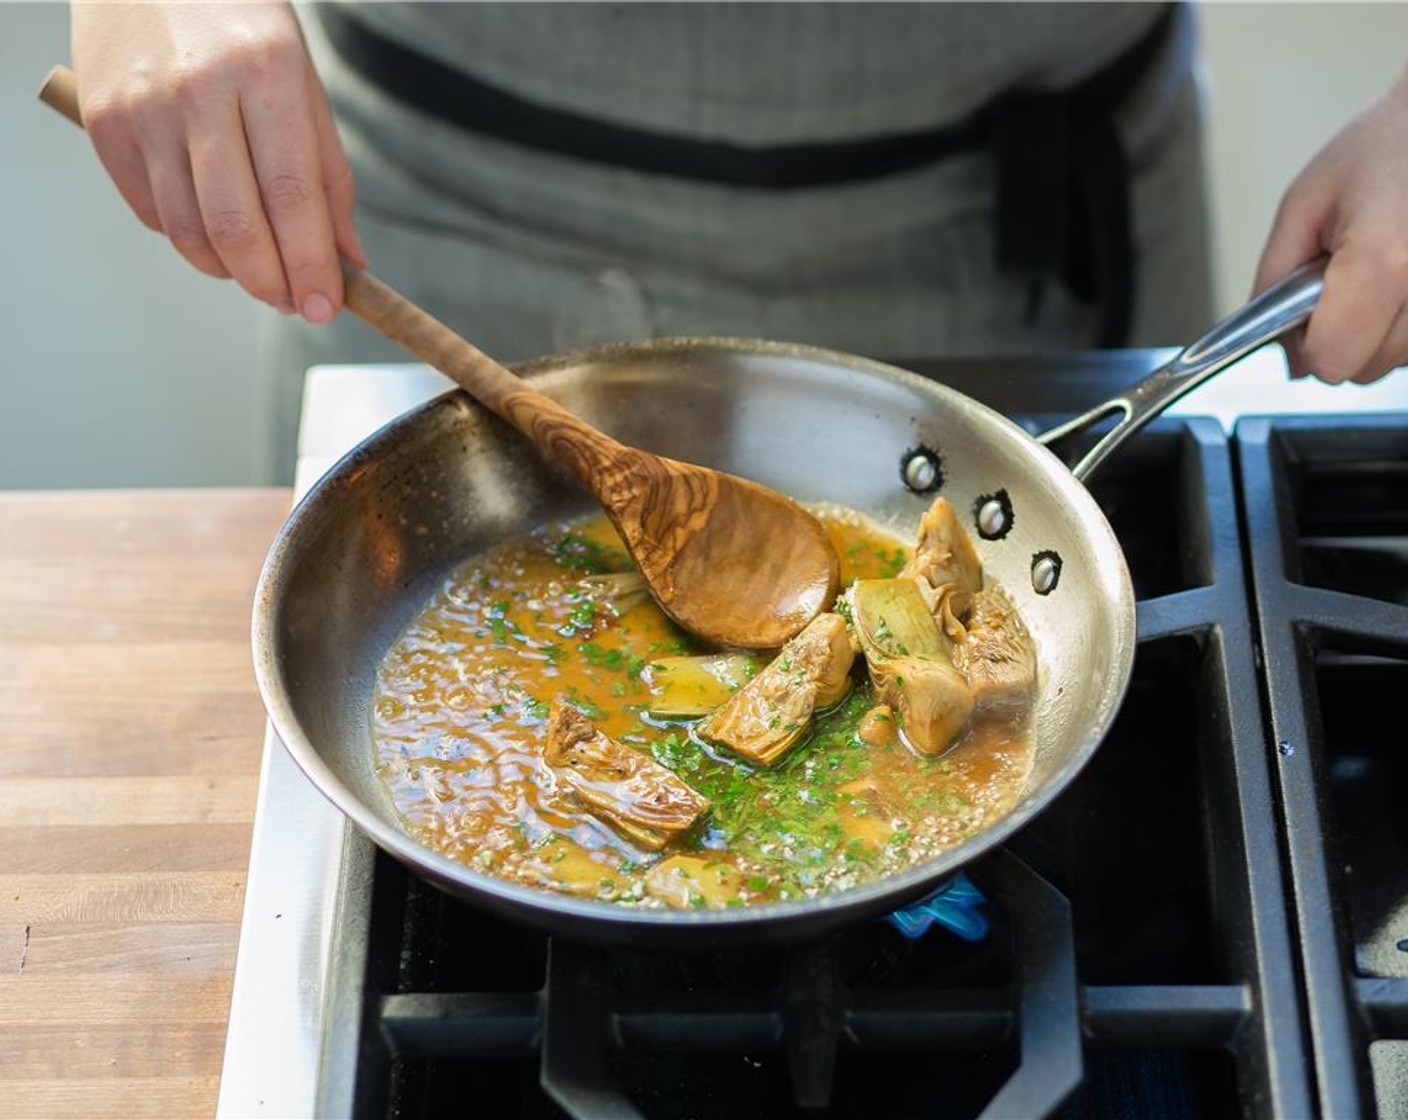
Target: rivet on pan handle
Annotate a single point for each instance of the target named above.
(1280, 308)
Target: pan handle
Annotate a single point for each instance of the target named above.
(1277, 310)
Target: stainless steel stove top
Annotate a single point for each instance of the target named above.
(279, 1031)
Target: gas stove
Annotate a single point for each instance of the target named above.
(1212, 920)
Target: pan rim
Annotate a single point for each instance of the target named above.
(868, 898)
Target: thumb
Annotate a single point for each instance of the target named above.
(1297, 235)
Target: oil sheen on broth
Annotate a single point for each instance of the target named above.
(462, 700)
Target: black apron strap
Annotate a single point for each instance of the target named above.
(1106, 272)
(1063, 212)
(1061, 183)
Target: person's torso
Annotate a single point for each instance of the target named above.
(506, 226)
(765, 73)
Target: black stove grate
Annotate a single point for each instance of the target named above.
(1139, 964)
(1327, 516)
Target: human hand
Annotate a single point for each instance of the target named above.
(213, 124)
(1351, 201)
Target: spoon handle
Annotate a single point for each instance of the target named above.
(595, 458)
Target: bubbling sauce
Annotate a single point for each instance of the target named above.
(462, 699)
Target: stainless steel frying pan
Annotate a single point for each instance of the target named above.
(367, 546)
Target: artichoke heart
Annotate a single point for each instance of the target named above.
(997, 654)
(944, 556)
(685, 687)
(768, 716)
(910, 663)
(635, 795)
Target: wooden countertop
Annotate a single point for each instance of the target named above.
(130, 735)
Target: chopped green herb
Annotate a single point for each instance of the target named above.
(894, 564)
(586, 704)
(577, 552)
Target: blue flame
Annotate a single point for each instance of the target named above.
(955, 906)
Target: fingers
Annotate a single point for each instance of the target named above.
(177, 207)
(212, 123)
(239, 198)
(1351, 201)
(231, 208)
(1292, 343)
(337, 177)
(284, 146)
(1364, 291)
(1296, 234)
(122, 159)
(1295, 238)
(1393, 352)
(1355, 333)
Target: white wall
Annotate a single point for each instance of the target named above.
(1282, 79)
(119, 365)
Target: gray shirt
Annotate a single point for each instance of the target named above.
(765, 73)
(529, 252)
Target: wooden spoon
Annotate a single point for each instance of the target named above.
(729, 560)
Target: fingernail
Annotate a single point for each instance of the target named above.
(317, 308)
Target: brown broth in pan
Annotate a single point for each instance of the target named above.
(462, 697)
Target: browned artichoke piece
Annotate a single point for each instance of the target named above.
(997, 655)
(768, 716)
(910, 663)
(944, 554)
(635, 795)
(933, 702)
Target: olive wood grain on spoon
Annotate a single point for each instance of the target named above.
(729, 560)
